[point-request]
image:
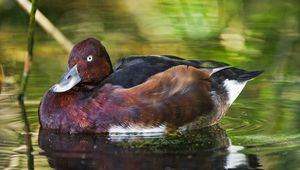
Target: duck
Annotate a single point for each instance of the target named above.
(140, 94)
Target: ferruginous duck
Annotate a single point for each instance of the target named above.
(142, 94)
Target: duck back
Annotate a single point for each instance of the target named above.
(134, 70)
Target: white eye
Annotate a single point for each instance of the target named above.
(89, 58)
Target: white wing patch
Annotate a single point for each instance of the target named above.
(234, 88)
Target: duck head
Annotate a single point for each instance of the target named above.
(88, 64)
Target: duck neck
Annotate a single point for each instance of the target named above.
(107, 63)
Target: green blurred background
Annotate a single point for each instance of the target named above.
(251, 34)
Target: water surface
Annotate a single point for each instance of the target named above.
(260, 131)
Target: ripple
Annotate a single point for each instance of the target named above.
(244, 124)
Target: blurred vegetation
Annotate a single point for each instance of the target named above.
(1, 77)
(248, 34)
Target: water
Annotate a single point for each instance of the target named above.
(260, 131)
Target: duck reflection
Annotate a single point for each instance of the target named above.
(208, 148)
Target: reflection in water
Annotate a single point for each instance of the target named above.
(204, 149)
(27, 134)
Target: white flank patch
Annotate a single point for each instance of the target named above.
(234, 88)
(136, 130)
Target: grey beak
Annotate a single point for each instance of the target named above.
(68, 80)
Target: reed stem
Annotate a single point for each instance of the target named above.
(29, 55)
(24, 82)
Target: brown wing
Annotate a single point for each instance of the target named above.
(174, 97)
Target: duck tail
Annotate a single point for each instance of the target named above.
(233, 73)
(233, 80)
(249, 75)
